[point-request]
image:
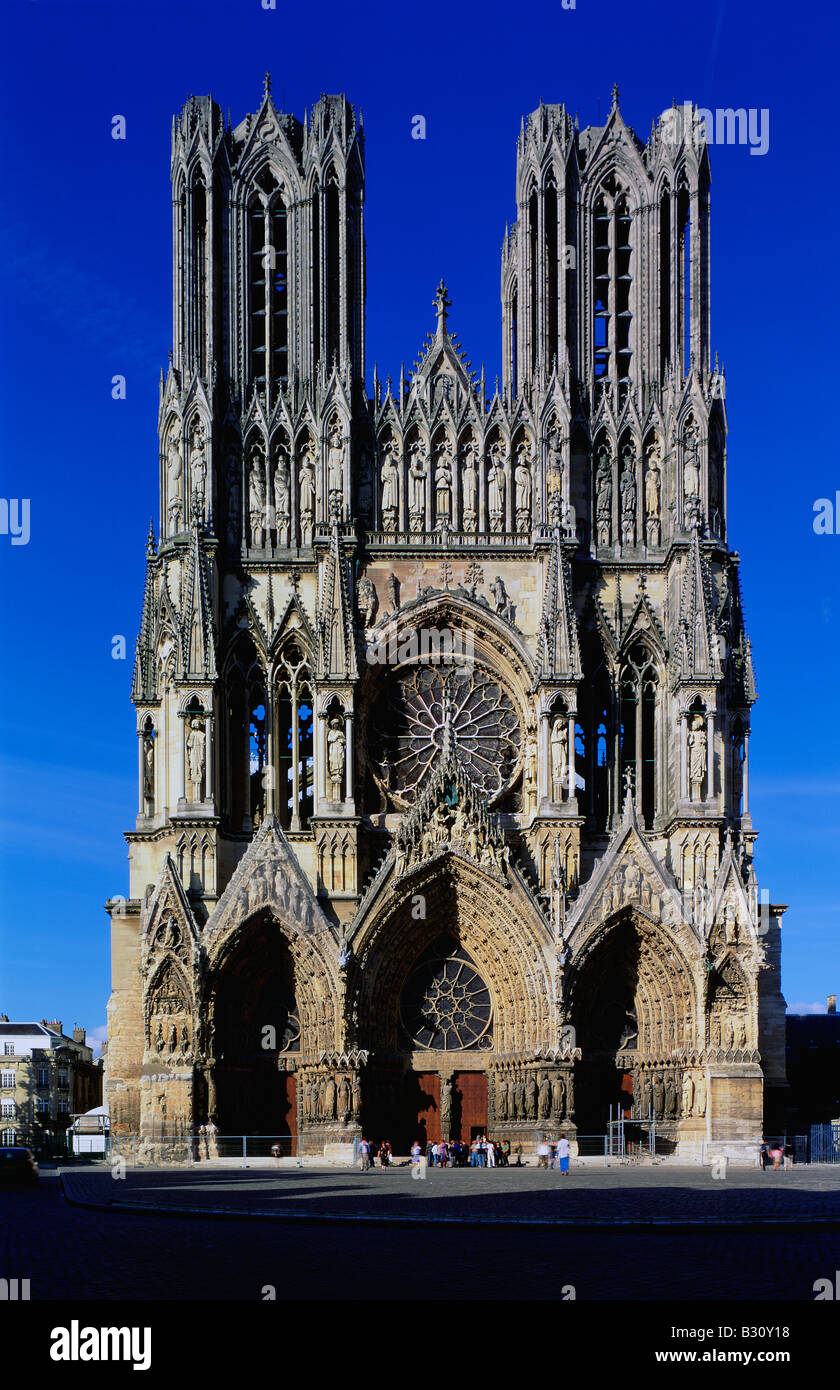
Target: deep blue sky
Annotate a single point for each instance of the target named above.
(85, 252)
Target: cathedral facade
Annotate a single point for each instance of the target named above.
(443, 692)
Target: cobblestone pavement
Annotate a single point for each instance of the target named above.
(76, 1252)
(587, 1196)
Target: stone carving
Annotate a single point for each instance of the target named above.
(700, 1096)
(335, 464)
(443, 484)
(687, 1096)
(544, 1104)
(670, 1097)
(730, 924)
(554, 475)
(653, 485)
(696, 755)
(417, 488)
(282, 497)
(469, 487)
(502, 1099)
(445, 1100)
(501, 601)
(336, 747)
(390, 489)
(307, 493)
(174, 472)
(658, 1090)
(691, 473)
(497, 487)
(603, 497)
(628, 499)
(559, 749)
(195, 755)
(558, 1097)
(367, 600)
(522, 479)
(343, 1099)
(530, 771)
(531, 1097)
(198, 465)
(149, 771)
(256, 500)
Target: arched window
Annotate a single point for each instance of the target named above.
(684, 273)
(533, 252)
(199, 268)
(664, 278)
(552, 274)
(246, 739)
(268, 255)
(333, 270)
(638, 690)
(612, 277)
(294, 739)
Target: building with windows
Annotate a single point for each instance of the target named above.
(443, 693)
(45, 1077)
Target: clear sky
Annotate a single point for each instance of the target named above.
(85, 247)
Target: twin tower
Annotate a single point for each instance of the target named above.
(436, 646)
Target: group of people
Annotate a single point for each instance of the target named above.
(775, 1156)
(385, 1154)
(481, 1152)
(553, 1155)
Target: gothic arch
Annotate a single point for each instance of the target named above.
(498, 928)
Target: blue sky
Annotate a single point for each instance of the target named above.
(85, 243)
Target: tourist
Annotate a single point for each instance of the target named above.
(491, 1154)
(506, 1153)
(777, 1153)
(763, 1156)
(542, 1155)
(563, 1155)
(518, 1152)
(416, 1151)
(364, 1155)
(443, 1155)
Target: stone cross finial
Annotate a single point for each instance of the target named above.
(267, 85)
(442, 302)
(615, 94)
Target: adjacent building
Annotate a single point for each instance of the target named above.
(45, 1077)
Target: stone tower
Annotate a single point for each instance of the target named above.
(443, 694)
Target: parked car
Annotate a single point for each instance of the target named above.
(17, 1165)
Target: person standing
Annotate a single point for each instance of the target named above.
(563, 1154)
(491, 1154)
(542, 1155)
(416, 1151)
(364, 1155)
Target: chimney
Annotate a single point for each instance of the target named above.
(54, 1023)
(79, 1034)
(832, 1004)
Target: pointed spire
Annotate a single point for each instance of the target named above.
(267, 86)
(143, 687)
(698, 639)
(337, 656)
(558, 649)
(442, 303)
(615, 96)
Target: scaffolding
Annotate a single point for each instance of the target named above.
(619, 1145)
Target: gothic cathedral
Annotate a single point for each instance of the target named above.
(443, 693)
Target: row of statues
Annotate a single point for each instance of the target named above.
(659, 1095)
(331, 1097)
(534, 1096)
(167, 1038)
(429, 486)
(452, 827)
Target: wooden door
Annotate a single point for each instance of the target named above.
(470, 1114)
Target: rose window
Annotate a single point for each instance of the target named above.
(446, 1005)
(424, 705)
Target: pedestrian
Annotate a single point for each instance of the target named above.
(763, 1156)
(506, 1153)
(416, 1152)
(563, 1155)
(518, 1152)
(776, 1153)
(275, 1149)
(364, 1155)
(542, 1155)
(491, 1154)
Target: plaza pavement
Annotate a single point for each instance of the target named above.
(588, 1197)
